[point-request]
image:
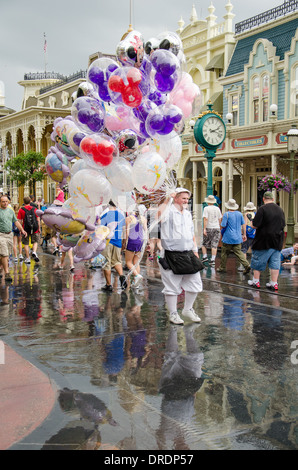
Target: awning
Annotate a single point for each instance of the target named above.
(216, 63)
(217, 102)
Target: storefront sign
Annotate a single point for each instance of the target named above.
(281, 138)
(250, 142)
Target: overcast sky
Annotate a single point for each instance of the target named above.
(75, 29)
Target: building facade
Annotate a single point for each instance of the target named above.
(259, 105)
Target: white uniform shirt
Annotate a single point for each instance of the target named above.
(213, 215)
(177, 230)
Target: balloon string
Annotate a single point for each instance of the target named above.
(145, 241)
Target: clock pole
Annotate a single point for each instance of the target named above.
(210, 133)
(209, 155)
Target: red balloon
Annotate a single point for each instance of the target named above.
(131, 93)
(103, 153)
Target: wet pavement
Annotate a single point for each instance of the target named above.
(107, 371)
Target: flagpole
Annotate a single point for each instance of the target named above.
(45, 52)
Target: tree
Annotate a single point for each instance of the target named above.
(27, 168)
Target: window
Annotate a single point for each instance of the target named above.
(260, 97)
(296, 92)
(265, 98)
(256, 97)
(235, 109)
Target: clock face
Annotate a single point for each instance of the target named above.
(213, 131)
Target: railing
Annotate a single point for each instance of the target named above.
(64, 80)
(54, 76)
(43, 76)
(287, 7)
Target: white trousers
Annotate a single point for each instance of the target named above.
(175, 283)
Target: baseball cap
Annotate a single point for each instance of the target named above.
(182, 190)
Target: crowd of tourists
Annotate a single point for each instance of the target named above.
(168, 233)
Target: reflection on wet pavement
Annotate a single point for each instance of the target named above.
(127, 379)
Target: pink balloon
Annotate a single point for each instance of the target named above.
(185, 106)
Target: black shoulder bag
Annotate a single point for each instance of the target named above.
(183, 262)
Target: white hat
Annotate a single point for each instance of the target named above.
(182, 190)
(250, 207)
(210, 199)
(231, 204)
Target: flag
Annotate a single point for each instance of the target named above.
(45, 43)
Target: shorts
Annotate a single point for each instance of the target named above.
(34, 238)
(174, 284)
(212, 238)
(112, 254)
(260, 259)
(134, 245)
(6, 244)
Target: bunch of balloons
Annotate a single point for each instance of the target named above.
(122, 137)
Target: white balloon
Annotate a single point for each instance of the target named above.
(171, 151)
(90, 187)
(149, 172)
(119, 174)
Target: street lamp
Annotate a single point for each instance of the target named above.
(229, 118)
(273, 109)
(292, 136)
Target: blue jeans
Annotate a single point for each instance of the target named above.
(260, 259)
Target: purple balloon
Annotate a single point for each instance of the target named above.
(157, 97)
(167, 127)
(95, 123)
(84, 115)
(164, 83)
(78, 137)
(174, 115)
(143, 131)
(103, 92)
(110, 69)
(156, 122)
(96, 75)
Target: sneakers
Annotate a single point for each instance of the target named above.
(191, 315)
(273, 287)
(27, 260)
(205, 261)
(176, 319)
(137, 280)
(35, 257)
(21, 257)
(123, 282)
(107, 288)
(212, 263)
(72, 268)
(255, 284)
(55, 252)
(16, 260)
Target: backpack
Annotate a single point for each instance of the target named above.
(30, 220)
(250, 231)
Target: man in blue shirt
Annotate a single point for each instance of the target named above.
(234, 234)
(112, 252)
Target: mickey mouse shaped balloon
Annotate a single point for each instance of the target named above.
(130, 51)
(98, 75)
(124, 85)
